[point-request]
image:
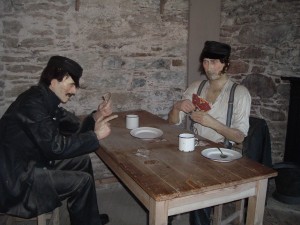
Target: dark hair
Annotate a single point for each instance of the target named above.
(52, 72)
(224, 60)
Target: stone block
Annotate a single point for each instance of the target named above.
(260, 85)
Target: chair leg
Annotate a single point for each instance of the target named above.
(217, 218)
(6, 220)
(240, 206)
(55, 217)
(237, 217)
(10, 221)
(42, 220)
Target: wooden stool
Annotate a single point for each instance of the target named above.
(41, 219)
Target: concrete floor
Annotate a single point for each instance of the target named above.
(124, 209)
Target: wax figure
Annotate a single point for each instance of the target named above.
(44, 149)
(214, 62)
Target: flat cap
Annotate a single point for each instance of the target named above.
(215, 50)
(67, 64)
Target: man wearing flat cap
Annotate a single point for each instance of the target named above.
(44, 149)
(211, 124)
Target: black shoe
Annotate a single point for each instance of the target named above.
(104, 218)
(170, 220)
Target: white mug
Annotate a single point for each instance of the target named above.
(187, 142)
(132, 121)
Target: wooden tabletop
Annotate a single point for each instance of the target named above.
(164, 172)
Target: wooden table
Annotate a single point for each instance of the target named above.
(168, 181)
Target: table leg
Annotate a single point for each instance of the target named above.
(256, 204)
(158, 213)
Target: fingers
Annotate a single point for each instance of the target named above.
(188, 105)
(106, 103)
(102, 126)
(106, 97)
(105, 107)
(184, 105)
(109, 118)
(100, 118)
(187, 108)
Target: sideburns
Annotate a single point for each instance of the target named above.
(224, 70)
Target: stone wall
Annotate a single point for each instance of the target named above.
(126, 47)
(137, 51)
(131, 48)
(265, 40)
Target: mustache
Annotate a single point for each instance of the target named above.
(69, 95)
(212, 73)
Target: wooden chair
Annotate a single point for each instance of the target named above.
(41, 219)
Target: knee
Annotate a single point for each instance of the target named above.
(86, 160)
(84, 163)
(86, 180)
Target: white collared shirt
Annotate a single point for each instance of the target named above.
(241, 109)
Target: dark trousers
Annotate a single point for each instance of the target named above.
(73, 180)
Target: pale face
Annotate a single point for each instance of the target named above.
(65, 89)
(213, 68)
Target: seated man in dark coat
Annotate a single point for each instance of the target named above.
(44, 149)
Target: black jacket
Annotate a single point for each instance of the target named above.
(35, 131)
(257, 145)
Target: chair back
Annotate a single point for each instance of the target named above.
(257, 145)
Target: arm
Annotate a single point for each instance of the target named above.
(68, 122)
(43, 131)
(184, 106)
(240, 118)
(206, 120)
(104, 110)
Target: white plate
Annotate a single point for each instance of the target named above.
(214, 154)
(146, 132)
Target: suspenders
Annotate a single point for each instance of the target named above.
(198, 93)
(201, 87)
(227, 144)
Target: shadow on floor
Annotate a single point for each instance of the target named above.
(124, 209)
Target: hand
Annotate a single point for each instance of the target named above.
(204, 119)
(185, 106)
(207, 120)
(102, 127)
(104, 110)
